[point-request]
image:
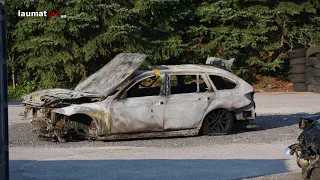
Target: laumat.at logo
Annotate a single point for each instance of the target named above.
(47, 14)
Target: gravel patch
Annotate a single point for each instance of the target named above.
(272, 129)
(281, 176)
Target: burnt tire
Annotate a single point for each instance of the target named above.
(312, 71)
(308, 72)
(296, 53)
(310, 61)
(309, 80)
(297, 61)
(300, 87)
(298, 69)
(310, 88)
(315, 72)
(316, 81)
(218, 122)
(316, 88)
(297, 78)
(316, 62)
(313, 50)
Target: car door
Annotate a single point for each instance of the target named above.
(188, 98)
(142, 108)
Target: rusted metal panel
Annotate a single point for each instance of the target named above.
(98, 111)
(185, 111)
(137, 114)
(109, 77)
(100, 125)
(226, 100)
(50, 96)
(179, 133)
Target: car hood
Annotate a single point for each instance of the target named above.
(110, 77)
(48, 97)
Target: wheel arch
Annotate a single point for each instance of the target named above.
(99, 115)
(96, 122)
(200, 125)
(81, 118)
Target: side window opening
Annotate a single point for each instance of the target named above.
(183, 84)
(187, 84)
(222, 83)
(150, 86)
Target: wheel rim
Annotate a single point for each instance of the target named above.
(218, 121)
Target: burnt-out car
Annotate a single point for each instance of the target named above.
(119, 101)
(307, 149)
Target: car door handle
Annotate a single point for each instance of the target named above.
(157, 103)
(208, 98)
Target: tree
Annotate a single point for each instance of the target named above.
(66, 49)
(257, 33)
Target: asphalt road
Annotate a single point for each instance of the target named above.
(244, 154)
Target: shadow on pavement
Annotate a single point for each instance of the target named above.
(14, 103)
(145, 169)
(265, 122)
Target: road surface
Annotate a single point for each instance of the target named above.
(244, 154)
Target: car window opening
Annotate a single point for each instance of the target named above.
(187, 84)
(222, 83)
(147, 87)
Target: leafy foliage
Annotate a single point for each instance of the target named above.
(63, 51)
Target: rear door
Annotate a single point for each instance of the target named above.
(188, 97)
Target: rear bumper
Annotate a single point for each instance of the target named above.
(246, 112)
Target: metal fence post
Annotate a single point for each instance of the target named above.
(4, 150)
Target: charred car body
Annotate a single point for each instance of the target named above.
(119, 101)
(307, 149)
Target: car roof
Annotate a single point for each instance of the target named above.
(195, 68)
(188, 67)
(192, 68)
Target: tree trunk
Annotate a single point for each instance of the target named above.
(12, 71)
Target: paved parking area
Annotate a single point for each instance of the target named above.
(240, 155)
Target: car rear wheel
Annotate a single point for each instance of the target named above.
(218, 122)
